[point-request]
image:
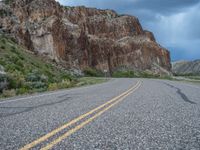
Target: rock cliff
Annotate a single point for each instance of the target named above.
(186, 67)
(81, 37)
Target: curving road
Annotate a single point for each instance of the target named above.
(119, 114)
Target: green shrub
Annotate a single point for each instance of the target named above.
(2, 78)
(81, 83)
(43, 78)
(64, 84)
(21, 57)
(3, 47)
(2, 62)
(20, 82)
(92, 72)
(66, 76)
(38, 90)
(14, 50)
(61, 85)
(14, 58)
(11, 67)
(22, 90)
(3, 82)
(33, 76)
(9, 93)
(37, 85)
(53, 86)
(12, 82)
(147, 75)
(124, 74)
(167, 77)
(3, 41)
(194, 77)
(132, 74)
(19, 63)
(15, 80)
(89, 81)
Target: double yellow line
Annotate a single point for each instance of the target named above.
(96, 111)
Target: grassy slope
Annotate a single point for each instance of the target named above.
(27, 73)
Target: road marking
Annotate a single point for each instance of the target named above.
(78, 127)
(55, 131)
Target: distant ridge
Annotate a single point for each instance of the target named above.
(186, 67)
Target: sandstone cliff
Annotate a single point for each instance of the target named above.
(81, 37)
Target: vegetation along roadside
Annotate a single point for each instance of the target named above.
(25, 73)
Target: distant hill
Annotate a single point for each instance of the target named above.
(186, 67)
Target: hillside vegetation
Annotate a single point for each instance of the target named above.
(28, 73)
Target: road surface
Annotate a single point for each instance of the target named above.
(119, 114)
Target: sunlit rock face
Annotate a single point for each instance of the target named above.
(84, 37)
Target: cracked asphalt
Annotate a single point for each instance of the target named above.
(160, 114)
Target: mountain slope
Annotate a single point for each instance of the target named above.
(82, 37)
(186, 67)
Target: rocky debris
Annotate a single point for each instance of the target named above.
(186, 67)
(84, 37)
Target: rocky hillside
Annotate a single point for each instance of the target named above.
(22, 72)
(186, 67)
(81, 37)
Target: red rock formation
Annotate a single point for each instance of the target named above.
(85, 37)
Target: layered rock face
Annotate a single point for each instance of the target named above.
(186, 67)
(83, 37)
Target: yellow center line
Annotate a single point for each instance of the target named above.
(55, 131)
(78, 127)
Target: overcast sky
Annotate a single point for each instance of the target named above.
(175, 23)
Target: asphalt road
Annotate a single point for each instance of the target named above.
(120, 114)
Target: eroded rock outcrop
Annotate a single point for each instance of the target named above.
(84, 37)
